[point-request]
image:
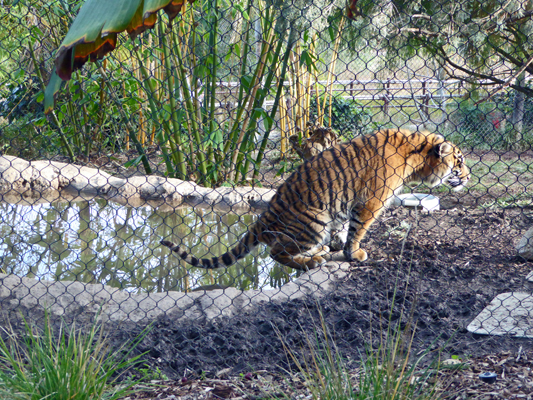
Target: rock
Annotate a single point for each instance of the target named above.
(525, 246)
(51, 180)
(452, 361)
(507, 314)
(33, 180)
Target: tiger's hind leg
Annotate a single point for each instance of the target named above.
(300, 244)
(306, 260)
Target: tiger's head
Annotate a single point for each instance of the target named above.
(443, 163)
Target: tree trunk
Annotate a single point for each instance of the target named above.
(517, 117)
(442, 94)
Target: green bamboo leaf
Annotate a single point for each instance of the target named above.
(134, 162)
(267, 119)
(246, 81)
(331, 33)
(39, 97)
(309, 60)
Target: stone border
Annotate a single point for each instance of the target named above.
(51, 181)
(68, 298)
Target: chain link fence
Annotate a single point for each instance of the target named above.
(185, 132)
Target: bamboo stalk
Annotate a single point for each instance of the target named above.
(243, 97)
(309, 83)
(54, 116)
(141, 125)
(182, 167)
(244, 54)
(256, 83)
(299, 82)
(307, 108)
(152, 136)
(286, 103)
(185, 35)
(250, 102)
(154, 106)
(87, 139)
(329, 82)
(102, 98)
(140, 93)
(283, 128)
(214, 63)
(73, 121)
(186, 91)
(284, 123)
(298, 109)
(258, 103)
(278, 96)
(319, 110)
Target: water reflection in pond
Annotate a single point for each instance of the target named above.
(98, 241)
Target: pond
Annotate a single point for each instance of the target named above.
(99, 241)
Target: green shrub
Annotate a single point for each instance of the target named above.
(20, 100)
(505, 101)
(476, 125)
(349, 117)
(28, 137)
(488, 124)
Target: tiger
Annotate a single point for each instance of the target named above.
(330, 201)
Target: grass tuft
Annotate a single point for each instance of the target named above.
(69, 365)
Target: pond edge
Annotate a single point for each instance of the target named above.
(69, 298)
(48, 181)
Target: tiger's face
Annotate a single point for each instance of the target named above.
(445, 163)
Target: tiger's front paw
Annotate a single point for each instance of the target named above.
(358, 255)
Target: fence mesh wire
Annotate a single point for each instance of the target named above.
(186, 131)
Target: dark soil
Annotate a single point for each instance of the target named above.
(449, 267)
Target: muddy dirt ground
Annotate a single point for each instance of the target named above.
(441, 269)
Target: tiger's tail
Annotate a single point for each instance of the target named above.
(245, 245)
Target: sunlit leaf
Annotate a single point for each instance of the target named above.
(94, 32)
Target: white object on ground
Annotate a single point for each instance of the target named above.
(427, 201)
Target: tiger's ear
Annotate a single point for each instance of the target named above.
(443, 149)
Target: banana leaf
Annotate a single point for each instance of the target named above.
(94, 32)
